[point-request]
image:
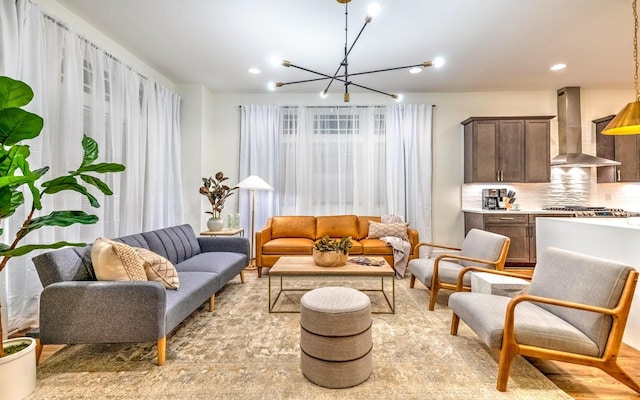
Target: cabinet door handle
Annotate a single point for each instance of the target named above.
(507, 218)
(617, 175)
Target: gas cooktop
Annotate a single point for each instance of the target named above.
(582, 211)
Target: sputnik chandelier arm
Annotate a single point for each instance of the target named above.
(344, 64)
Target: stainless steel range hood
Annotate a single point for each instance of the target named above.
(570, 134)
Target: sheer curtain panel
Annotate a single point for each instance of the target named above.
(79, 89)
(365, 160)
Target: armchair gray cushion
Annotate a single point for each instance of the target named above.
(481, 244)
(562, 275)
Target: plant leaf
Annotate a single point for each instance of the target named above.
(92, 180)
(17, 125)
(103, 168)
(10, 200)
(69, 183)
(14, 93)
(22, 250)
(90, 151)
(61, 218)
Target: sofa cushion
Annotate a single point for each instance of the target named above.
(363, 225)
(287, 246)
(225, 264)
(293, 227)
(159, 269)
(376, 247)
(337, 226)
(378, 230)
(176, 243)
(115, 261)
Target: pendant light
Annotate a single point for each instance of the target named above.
(627, 122)
(346, 76)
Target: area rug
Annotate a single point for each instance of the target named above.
(241, 351)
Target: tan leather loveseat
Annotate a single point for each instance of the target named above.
(295, 236)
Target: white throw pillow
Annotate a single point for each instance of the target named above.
(115, 261)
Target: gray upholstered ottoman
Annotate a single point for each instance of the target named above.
(335, 337)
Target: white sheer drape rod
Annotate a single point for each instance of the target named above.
(90, 43)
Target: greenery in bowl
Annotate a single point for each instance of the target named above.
(339, 246)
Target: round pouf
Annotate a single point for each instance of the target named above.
(335, 337)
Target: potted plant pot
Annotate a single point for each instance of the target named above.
(18, 370)
(215, 224)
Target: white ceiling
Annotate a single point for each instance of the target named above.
(487, 44)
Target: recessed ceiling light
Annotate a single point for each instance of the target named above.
(558, 67)
(415, 70)
(254, 71)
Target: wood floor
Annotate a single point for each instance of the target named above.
(578, 381)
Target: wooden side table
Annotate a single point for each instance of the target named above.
(224, 232)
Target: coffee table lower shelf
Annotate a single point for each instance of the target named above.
(302, 266)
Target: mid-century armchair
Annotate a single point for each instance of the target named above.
(479, 248)
(575, 310)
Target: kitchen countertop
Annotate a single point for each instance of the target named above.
(546, 212)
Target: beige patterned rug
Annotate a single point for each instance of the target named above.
(240, 351)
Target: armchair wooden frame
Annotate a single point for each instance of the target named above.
(511, 348)
(436, 284)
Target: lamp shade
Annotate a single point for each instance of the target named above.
(627, 122)
(254, 182)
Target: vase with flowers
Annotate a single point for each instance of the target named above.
(214, 189)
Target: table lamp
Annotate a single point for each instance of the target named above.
(253, 183)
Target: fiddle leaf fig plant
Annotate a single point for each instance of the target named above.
(16, 126)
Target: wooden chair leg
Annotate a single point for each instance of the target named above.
(455, 323)
(242, 276)
(433, 295)
(162, 350)
(506, 359)
(259, 272)
(412, 282)
(615, 371)
(212, 303)
(38, 351)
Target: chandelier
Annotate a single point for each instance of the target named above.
(345, 76)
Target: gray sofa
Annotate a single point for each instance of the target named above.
(76, 308)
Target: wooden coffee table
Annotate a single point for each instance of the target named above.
(303, 266)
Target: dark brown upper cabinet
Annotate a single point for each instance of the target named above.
(507, 149)
(622, 148)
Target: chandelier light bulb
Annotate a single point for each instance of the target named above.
(398, 98)
(324, 94)
(438, 62)
(271, 86)
(373, 10)
(276, 61)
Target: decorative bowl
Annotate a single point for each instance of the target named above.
(329, 258)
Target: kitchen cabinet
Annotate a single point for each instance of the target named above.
(507, 149)
(519, 227)
(622, 148)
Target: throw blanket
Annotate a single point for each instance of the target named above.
(401, 250)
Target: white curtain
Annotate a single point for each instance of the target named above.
(364, 160)
(79, 89)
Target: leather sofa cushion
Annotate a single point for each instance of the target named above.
(337, 226)
(363, 225)
(375, 247)
(293, 227)
(288, 246)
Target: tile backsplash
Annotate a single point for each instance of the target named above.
(568, 186)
